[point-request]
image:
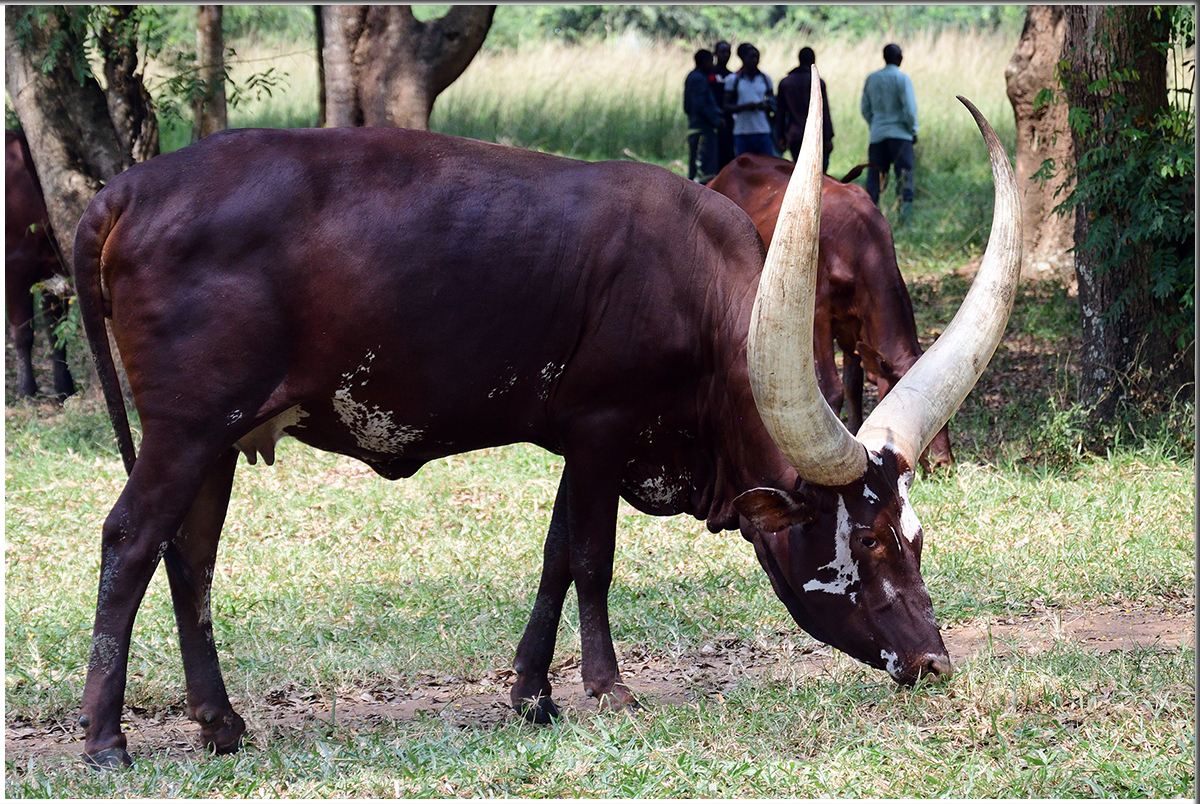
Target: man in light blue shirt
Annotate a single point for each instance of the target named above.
(890, 108)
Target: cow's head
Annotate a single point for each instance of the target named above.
(843, 546)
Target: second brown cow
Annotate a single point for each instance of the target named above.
(862, 305)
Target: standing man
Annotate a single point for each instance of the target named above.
(890, 108)
(704, 119)
(721, 52)
(749, 95)
(794, 90)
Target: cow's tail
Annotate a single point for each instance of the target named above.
(855, 172)
(93, 230)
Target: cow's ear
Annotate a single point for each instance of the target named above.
(774, 510)
(876, 363)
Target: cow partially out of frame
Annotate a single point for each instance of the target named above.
(29, 259)
(398, 296)
(862, 304)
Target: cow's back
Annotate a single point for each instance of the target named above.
(442, 280)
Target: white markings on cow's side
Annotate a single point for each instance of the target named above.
(548, 375)
(660, 491)
(373, 428)
(891, 658)
(910, 526)
(262, 439)
(843, 562)
(505, 385)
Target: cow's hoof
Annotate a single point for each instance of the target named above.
(108, 759)
(222, 735)
(618, 698)
(538, 710)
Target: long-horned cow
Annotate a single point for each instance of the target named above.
(862, 304)
(398, 296)
(29, 258)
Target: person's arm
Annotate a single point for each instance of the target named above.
(865, 106)
(910, 106)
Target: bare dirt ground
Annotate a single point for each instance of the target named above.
(705, 673)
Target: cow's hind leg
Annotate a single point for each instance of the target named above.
(531, 691)
(190, 559)
(160, 492)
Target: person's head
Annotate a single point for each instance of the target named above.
(722, 52)
(704, 60)
(807, 57)
(749, 56)
(892, 54)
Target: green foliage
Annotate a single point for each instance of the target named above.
(1136, 177)
(742, 23)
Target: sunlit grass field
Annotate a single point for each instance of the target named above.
(331, 580)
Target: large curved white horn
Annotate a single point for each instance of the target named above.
(780, 348)
(927, 396)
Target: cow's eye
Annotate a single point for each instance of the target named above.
(868, 542)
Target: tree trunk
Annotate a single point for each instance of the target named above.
(384, 67)
(129, 104)
(319, 18)
(1101, 40)
(208, 111)
(1042, 134)
(72, 139)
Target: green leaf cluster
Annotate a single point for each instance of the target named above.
(1136, 177)
(577, 23)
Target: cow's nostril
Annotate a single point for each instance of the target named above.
(937, 665)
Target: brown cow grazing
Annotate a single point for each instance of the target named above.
(863, 307)
(398, 296)
(29, 258)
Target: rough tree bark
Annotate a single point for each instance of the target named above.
(1042, 133)
(209, 113)
(384, 67)
(1101, 40)
(72, 139)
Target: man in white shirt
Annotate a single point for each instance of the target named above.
(749, 95)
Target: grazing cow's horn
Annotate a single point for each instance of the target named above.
(780, 348)
(927, 396)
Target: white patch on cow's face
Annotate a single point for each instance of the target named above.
(910, 526)
(373, 429)
(891, 659)
(262, 439)
(869, 495)
(889, 591)
(843, 562)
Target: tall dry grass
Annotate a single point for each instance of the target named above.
(601, 100)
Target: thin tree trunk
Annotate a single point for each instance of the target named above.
(1042, 134)
(209, 113)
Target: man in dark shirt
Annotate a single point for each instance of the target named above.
(704, 119)
(794, 92)
(722, 52)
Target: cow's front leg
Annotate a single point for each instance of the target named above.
(190, 559)
(530, 693)
(592, 515)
